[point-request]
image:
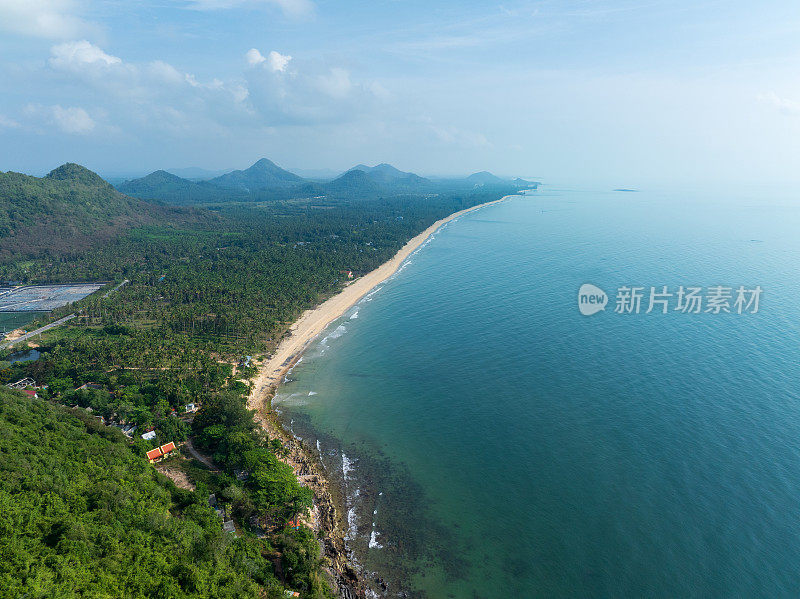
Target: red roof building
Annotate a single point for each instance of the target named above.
(154, 454)
(30, 392)
(165, 449)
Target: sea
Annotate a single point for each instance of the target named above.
(490, 440)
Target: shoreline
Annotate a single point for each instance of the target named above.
(312, 322)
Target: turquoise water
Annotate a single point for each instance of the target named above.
(494, 442)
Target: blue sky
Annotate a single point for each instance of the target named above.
(620, 92)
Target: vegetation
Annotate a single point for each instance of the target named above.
(82, 516)
(207, 287)
(71, 209)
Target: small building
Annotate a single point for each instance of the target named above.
(30, 392)
(149, 436)
(22, 383)
(159, 453)
(128, 429)
(191, 408)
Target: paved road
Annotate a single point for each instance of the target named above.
(46, 327)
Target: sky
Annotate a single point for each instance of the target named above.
(619, 92)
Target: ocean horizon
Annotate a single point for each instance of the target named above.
(490, 440)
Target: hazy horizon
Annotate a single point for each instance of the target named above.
(610, 92)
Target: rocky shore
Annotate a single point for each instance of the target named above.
(327, 519)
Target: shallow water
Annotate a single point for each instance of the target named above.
(493, 441)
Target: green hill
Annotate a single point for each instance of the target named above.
(82, 516)
(264, 174)
(388, 176)
(71, 208)
(354, 183)
(164, 186)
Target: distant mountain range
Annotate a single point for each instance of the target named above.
(265, 180)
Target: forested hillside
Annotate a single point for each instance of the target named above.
(172, 189)
(69, 210)
(83, 516)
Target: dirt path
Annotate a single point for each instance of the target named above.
(199, 456)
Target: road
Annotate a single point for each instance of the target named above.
(199, 456)
(46, 327)
(110, 291)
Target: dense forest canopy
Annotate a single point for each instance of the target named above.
(71, 209)
(83, 516)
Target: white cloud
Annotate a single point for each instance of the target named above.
(166, 73)
(379, 91)
(275, 61)
(254, 57)
(460, 137)
(75, 55)
(290, 8)
(336, 83)
(73, 119)
(52, 19)
(783, 104)
(278, 61)
(7, 123)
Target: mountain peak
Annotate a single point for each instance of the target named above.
(483, 177)
(386, 174)
(262, 174)
(262, 164)
(75, 172)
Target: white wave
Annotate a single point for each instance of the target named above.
(347, 467)
(373, 540)
(335, 334)
(403, 266)
(354, 315)
(368, 297)
(352, 523)
(310, 393)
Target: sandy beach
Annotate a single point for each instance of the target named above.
(314, 321)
